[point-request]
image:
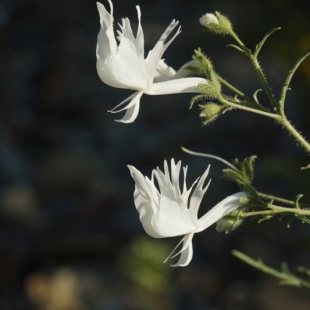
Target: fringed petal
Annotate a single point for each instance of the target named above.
(157, 52)
(106, 44)
(140, 36)
(198, 194)
(144, 193)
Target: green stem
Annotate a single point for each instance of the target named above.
(241, 94)
(258, 69)
(287, 277)
(288, 79)
(274, 210)
(279, 199)
(264, 81)
(246, 51)
(234, 89)
(242, 107)
(278, 209)
(291, 130)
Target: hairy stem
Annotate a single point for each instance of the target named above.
(284, 275)
(279, 199)
(249, 109)
(291, 130)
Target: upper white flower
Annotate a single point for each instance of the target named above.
(123, 65)
(167, 211)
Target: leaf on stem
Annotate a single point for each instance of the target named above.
(255, 95)
(289, 77)
(262, 42)
(296, 201)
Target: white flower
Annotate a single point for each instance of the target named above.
(167, 211)
(123, 65)
(207, 19)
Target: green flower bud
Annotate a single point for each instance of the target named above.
(210, 112)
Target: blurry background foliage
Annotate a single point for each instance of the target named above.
(70, 237)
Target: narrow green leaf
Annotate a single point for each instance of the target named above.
(262, 42)
(289, 77)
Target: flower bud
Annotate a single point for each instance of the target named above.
(210, 112)
(207, 19)
(217, 23)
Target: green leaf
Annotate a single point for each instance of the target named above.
(267, 35)
(255, 95)
(289, 77)
(296, 200)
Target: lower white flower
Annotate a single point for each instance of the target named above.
(166, 211)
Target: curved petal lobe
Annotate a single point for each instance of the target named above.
(186, 251)
(132, 108)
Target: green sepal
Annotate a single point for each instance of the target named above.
(211, 111)
(205, 63)
(244, 172)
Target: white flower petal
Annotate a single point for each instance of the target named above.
(121, 66)
(131, 114)
(208, 18)
(132, 108)
(128, 67)
(183, 72)
(198, 194)
(157, 52)
(140, 36)
(172, 218)
(186, 251)
(106, 44)
(169, 215)
(163, 72)
(166, 73)
(220, 210)
(144, 202)
(184, 85)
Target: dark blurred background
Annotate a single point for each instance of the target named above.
(70, 237)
